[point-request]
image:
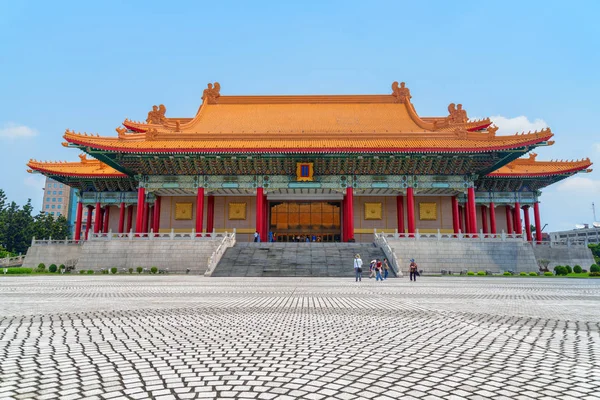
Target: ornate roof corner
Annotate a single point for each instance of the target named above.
(83, 158)
(121, 132)
(212, 93)
(30, 171)
(491, 130)
(65, 144)
(551, 142)
(157, 114)
(401, 93)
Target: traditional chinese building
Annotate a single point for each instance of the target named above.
(330, 167)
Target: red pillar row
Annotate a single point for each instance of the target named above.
(410, 210)
(350, 206)
(538, 224)
(400, 213)
(139, 218)
(199, 210)
(345, 219)
(455, 215)
(145, 211)
(210, 215)
(78, 220)
(518, 223)
(509, 220)
(260, 209)
(98, 219)
(484, 220)
(467, 216)
(106, 220)
(527, 223)
(472, 210)
(156, 215)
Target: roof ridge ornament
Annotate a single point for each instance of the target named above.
(83, 158)
(492, 130)
(401, 93)
(212, 93)
(157, 114)
(456, 114)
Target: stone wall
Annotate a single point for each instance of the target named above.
(432, 256)
(177, 255)
(51, 254)
(563, 255)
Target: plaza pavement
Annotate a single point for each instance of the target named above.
(168, 337)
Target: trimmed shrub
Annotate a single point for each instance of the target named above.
(61, 266)
(481, 273)
(594, 268)
(569, 269)
(548, 274)
(113, 270)
(507, 274)
(139, 270)
(131, 270)
(154, 270)
(52, 268)
(90, 272)
(560, 270)
(471, 273)
(41, 267)
(523, 273)
(19, 270)
(82, 271)
(594, 274)
(533, 274)
(577, 269)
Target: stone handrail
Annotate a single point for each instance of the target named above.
(158, 236)
(227, 242)
(12, 261)
(482, 237)
(380, 240)
(50, 241)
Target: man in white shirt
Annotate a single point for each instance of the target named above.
(358, 268)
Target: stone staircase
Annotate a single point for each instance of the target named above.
(295, 259)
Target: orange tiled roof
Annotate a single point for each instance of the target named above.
(84, 168)
(448, 142)
(529, 167)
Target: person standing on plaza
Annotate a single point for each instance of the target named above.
(413, 270)
(256, 237)
(358, 268)
(378, 269)
(386, 268)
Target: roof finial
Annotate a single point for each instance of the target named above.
(401, 93)
(211, 94)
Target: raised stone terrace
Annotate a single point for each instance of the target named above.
(168, 337)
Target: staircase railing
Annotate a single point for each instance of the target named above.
(12, 261)
(380, 240)
(227, 242)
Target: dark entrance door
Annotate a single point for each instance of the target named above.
(318, 221)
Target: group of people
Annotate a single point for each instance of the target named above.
(297, 239)
(380, 270)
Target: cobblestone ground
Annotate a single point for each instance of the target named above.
(190, 337)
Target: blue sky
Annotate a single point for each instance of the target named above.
(88, 65)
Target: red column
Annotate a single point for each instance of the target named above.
(527, 223)
(266, 218)
(199, 210)
(344, 220)
(518, 224)
(410, 210)
(157, 214)
(260, 209)
(492, 218)
(145, 210)
(400, 213)
(210, 214)
(129, 218)
(472, 209)
(98, 219)
(106, 219)
(139, 218)
(121, 217)
(484, 222)
(509, 220)
(78, 220)
(455, 215)
(467, 217)
(350, 206)
(538, 224)
(88, 223)
(461, 219)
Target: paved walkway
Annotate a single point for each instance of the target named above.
(285, 338)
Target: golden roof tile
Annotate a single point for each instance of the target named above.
(85, 168)
(530, 167)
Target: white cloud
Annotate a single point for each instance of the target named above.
(578, 185)
(510, 126)
(14, 131)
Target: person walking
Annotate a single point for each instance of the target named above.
(372, 265)
(386, 268)
(413, 269)
(358, 268)
(378, 269)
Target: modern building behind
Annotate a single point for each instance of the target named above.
(60, 199)
(585, 235)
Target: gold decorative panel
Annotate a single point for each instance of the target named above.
(373, 211)
(237, 211)
(183, 210)
(428, 211)
(304, 172)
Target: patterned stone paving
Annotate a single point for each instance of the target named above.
(169, 337)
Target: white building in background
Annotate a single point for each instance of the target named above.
(583, 235)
